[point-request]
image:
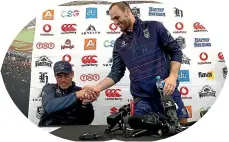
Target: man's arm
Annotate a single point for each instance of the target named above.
(171, 46)
(52, 104)
(116, 74)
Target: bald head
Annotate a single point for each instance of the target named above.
(121, 14)
(121, 5)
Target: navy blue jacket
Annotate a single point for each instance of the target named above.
(146, 52)
(61, 107)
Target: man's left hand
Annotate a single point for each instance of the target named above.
(170, 85)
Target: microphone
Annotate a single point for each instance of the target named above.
(114, 118)
(143, 121)
(170, 108)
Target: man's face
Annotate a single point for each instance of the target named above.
(121, 18)
(64, 80)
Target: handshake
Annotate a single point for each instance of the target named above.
(88, 94)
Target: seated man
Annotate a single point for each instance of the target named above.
(61, 103)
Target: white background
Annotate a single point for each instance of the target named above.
(16, 14)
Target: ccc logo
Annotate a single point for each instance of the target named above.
(113, 93)
(68, 27)
(45, 45)
(89, 77)
(89, 59)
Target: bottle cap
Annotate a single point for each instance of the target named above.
(158, 77)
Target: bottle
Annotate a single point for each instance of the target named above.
(160, 83)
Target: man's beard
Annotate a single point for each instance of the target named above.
(126, 25)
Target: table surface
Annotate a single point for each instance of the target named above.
(73, 133)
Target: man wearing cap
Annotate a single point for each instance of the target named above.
(61, 101)
(147, 50)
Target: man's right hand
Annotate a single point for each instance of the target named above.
(92, 92)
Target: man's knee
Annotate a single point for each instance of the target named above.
(142, 107)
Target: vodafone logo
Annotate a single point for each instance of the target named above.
(220, 56)
(113, 26)
(184, 92)
(47, 28)
(203, 56)
(67, 58)
(179, 26)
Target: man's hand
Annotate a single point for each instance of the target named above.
(170, 85)
(92, 92)
(80, 94)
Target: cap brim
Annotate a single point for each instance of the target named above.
(62, 72)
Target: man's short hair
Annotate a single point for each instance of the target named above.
(122, 5)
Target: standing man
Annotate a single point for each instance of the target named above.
(147, 50)
(60, 101)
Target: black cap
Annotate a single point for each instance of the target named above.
(62, 67)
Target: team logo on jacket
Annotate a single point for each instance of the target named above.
(146, 33)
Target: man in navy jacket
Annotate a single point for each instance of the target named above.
(61, 101)
(147, 50)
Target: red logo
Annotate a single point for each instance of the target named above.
(67, 58)
(203, 56)
(113, 26)
(220, 55)
(113, 110)
(47, 28)
(45, 45)
(198, 26)
(184, 91)
(89, 77)
(89, 59)
(179, 26)
(113, 93)
(68, 27)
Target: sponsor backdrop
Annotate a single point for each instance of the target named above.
(85, 35)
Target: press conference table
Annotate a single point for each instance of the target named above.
(73, 133)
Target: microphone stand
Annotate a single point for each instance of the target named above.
(121, 126)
